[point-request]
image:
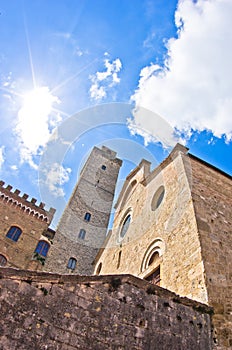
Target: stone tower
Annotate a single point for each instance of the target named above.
(83, 226)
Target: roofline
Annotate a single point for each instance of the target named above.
(210, 166)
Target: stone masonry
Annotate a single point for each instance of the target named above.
(186, 238)
(94, 195)
(171, 228)
(51, 311)
(32, 219)
(212, 197)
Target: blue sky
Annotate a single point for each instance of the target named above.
(136, 75)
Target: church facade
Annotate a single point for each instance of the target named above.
(173, 227)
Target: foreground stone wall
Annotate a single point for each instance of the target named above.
(51, 311)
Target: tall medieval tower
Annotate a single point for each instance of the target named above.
(83, 226)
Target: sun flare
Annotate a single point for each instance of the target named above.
(37, 118)
(39, 102)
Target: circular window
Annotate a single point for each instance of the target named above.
(157, 198)
(125, 226)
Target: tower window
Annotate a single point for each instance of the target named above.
(42, 248)
(72, 264)
(103, 167)
(14, 233)
(87, 217)
(3, 260)
(82, 234)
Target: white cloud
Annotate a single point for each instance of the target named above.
(159, 130)
(35, 123)
(57, 176)
(14, 167)
(102, 81)
(193, 89)
(2, 156)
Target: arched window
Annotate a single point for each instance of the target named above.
(153, 254)
(3, 260)
(82, 234)
(72, 264)
(87, 217)
(125, 226)
(42, 248)
(128, 191)
(14, 233)
(154, 257)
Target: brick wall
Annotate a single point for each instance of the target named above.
(51, 311)
(212, 196)
(33, 220)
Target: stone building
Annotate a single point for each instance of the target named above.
(173, 227)
(25, 237)
(83, 226)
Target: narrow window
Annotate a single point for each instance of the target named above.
(82, 234)
(119, 259)
(3, 260)
(42, 248)
(99, 269)
(87, 217)
(14, 233)
(72, 264)
(103, 167)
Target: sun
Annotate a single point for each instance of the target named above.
(36, 118)
(39, 102)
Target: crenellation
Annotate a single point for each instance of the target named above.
(22, 202)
